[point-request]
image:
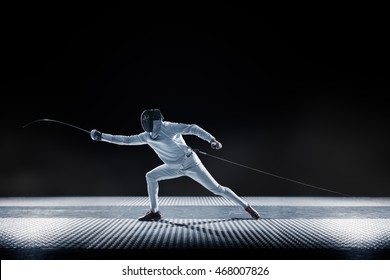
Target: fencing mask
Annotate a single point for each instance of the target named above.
(147, 118)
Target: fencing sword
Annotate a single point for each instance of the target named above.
(50, 120)
(204, 153)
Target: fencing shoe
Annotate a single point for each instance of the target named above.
(151, 216)
(252, 212)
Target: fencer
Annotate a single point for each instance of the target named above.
(166, 139)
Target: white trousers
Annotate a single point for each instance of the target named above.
(193, 168)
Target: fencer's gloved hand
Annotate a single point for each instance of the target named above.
(96, 135)
(215, 144)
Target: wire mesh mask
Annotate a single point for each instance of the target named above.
(147, 118)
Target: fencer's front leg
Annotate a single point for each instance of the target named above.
(152, 185)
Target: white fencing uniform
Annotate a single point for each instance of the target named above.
(178, 159)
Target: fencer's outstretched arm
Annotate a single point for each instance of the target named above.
(138, 139)
(174, 128)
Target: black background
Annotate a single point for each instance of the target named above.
(297, 91)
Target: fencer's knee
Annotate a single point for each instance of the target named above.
(150, 178)
(219, 190)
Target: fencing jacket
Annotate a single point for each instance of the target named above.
(166, 140)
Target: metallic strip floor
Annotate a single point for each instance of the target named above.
(107, 227)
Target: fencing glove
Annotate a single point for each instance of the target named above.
(215, 144)
(96, 135)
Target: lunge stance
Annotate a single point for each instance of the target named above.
(166, 139)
